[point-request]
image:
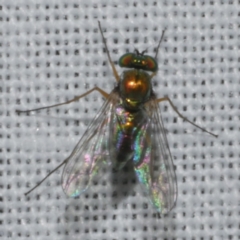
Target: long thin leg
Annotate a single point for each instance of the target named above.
(160, 43)
(55, 169)
(104, 94)
(109, 57)
(181, 116)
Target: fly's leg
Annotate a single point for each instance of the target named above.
(181, 116)
(160, 43)
(115, 73)
(103, 93)
(54, 170)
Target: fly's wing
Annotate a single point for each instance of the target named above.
(155, 170)
(90, 153)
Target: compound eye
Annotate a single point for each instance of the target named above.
(131, 60)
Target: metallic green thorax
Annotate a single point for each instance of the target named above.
(135, 88)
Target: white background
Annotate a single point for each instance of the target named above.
(52, 51)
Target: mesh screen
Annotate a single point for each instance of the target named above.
(52, 51)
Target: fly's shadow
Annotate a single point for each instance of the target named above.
(123, 183)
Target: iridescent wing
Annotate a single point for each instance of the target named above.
(155, 170)
(91, 152)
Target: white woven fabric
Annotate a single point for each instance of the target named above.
(52, 51)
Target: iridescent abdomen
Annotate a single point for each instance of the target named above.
(125, 131)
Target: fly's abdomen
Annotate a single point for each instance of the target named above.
(123, 150)
(124, 133)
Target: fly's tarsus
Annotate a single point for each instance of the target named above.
(184, 118)
(38, 184)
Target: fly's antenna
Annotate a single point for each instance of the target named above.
(140, 53)
(109, 57)
(144, 51)
(160, 43)
(136, 51)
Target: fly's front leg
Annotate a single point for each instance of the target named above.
(115, 73)
(181, 116)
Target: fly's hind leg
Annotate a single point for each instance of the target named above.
(54, 170)
(181, 116)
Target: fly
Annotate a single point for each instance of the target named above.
(128, 127)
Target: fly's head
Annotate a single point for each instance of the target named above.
(138, 60)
